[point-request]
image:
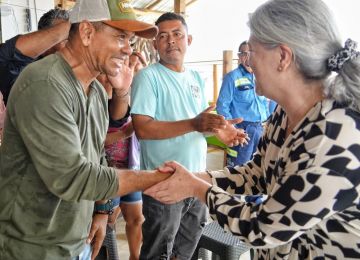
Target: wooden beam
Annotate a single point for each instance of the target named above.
(141, 11)
(227, 61)
(153, 4)
(179, 6)
(215, 81)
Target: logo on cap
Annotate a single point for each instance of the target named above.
(125, 6)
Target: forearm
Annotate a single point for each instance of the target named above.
(35, 43)
(157, 130)
(119, 105)
(131, 180)
(201, 186)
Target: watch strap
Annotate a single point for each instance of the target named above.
(108, 206)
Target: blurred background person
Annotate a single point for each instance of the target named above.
(22, 50)
(238, 98)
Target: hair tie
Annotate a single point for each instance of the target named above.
(336, 62)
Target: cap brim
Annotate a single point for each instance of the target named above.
(140, 29)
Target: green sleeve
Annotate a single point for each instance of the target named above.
(47, 125)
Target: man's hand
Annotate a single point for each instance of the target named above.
(207, 122)
(97, 233)
(231, 136)
(166, 169)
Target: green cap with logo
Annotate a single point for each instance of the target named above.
(116, 13)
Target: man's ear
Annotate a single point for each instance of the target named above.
(286, 57)
(87, 32)
(189, 39)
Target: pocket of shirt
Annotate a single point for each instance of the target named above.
(244, 94)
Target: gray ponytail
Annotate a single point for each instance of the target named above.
(345, 86)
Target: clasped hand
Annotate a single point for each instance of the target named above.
(180, 185)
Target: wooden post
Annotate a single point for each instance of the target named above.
(215, 80)
(179, 6)
(227, 61)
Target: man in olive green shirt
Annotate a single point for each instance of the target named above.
(53, 144)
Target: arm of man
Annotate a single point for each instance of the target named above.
(132, 180)
(35, 43)
(148, 128)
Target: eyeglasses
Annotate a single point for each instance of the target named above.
(243, 53)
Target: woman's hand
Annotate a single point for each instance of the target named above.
(122, 81)
(120, 84)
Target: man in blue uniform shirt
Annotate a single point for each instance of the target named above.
(238, 98)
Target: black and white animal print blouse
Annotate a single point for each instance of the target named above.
(312, 179)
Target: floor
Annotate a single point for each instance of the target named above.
(214, 161)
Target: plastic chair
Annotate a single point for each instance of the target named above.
(219, 242)
(108, 249)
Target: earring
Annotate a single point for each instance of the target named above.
(280, 68)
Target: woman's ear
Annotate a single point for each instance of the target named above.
(286, 57)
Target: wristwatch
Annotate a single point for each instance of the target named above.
(107, 208)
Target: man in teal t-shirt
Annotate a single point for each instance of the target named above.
(169, 117)
(167, 95)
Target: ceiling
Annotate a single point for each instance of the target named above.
(148, 10)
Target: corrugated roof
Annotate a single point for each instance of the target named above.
(156, 5)
(147, 10)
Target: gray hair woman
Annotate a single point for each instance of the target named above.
(308, 161)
